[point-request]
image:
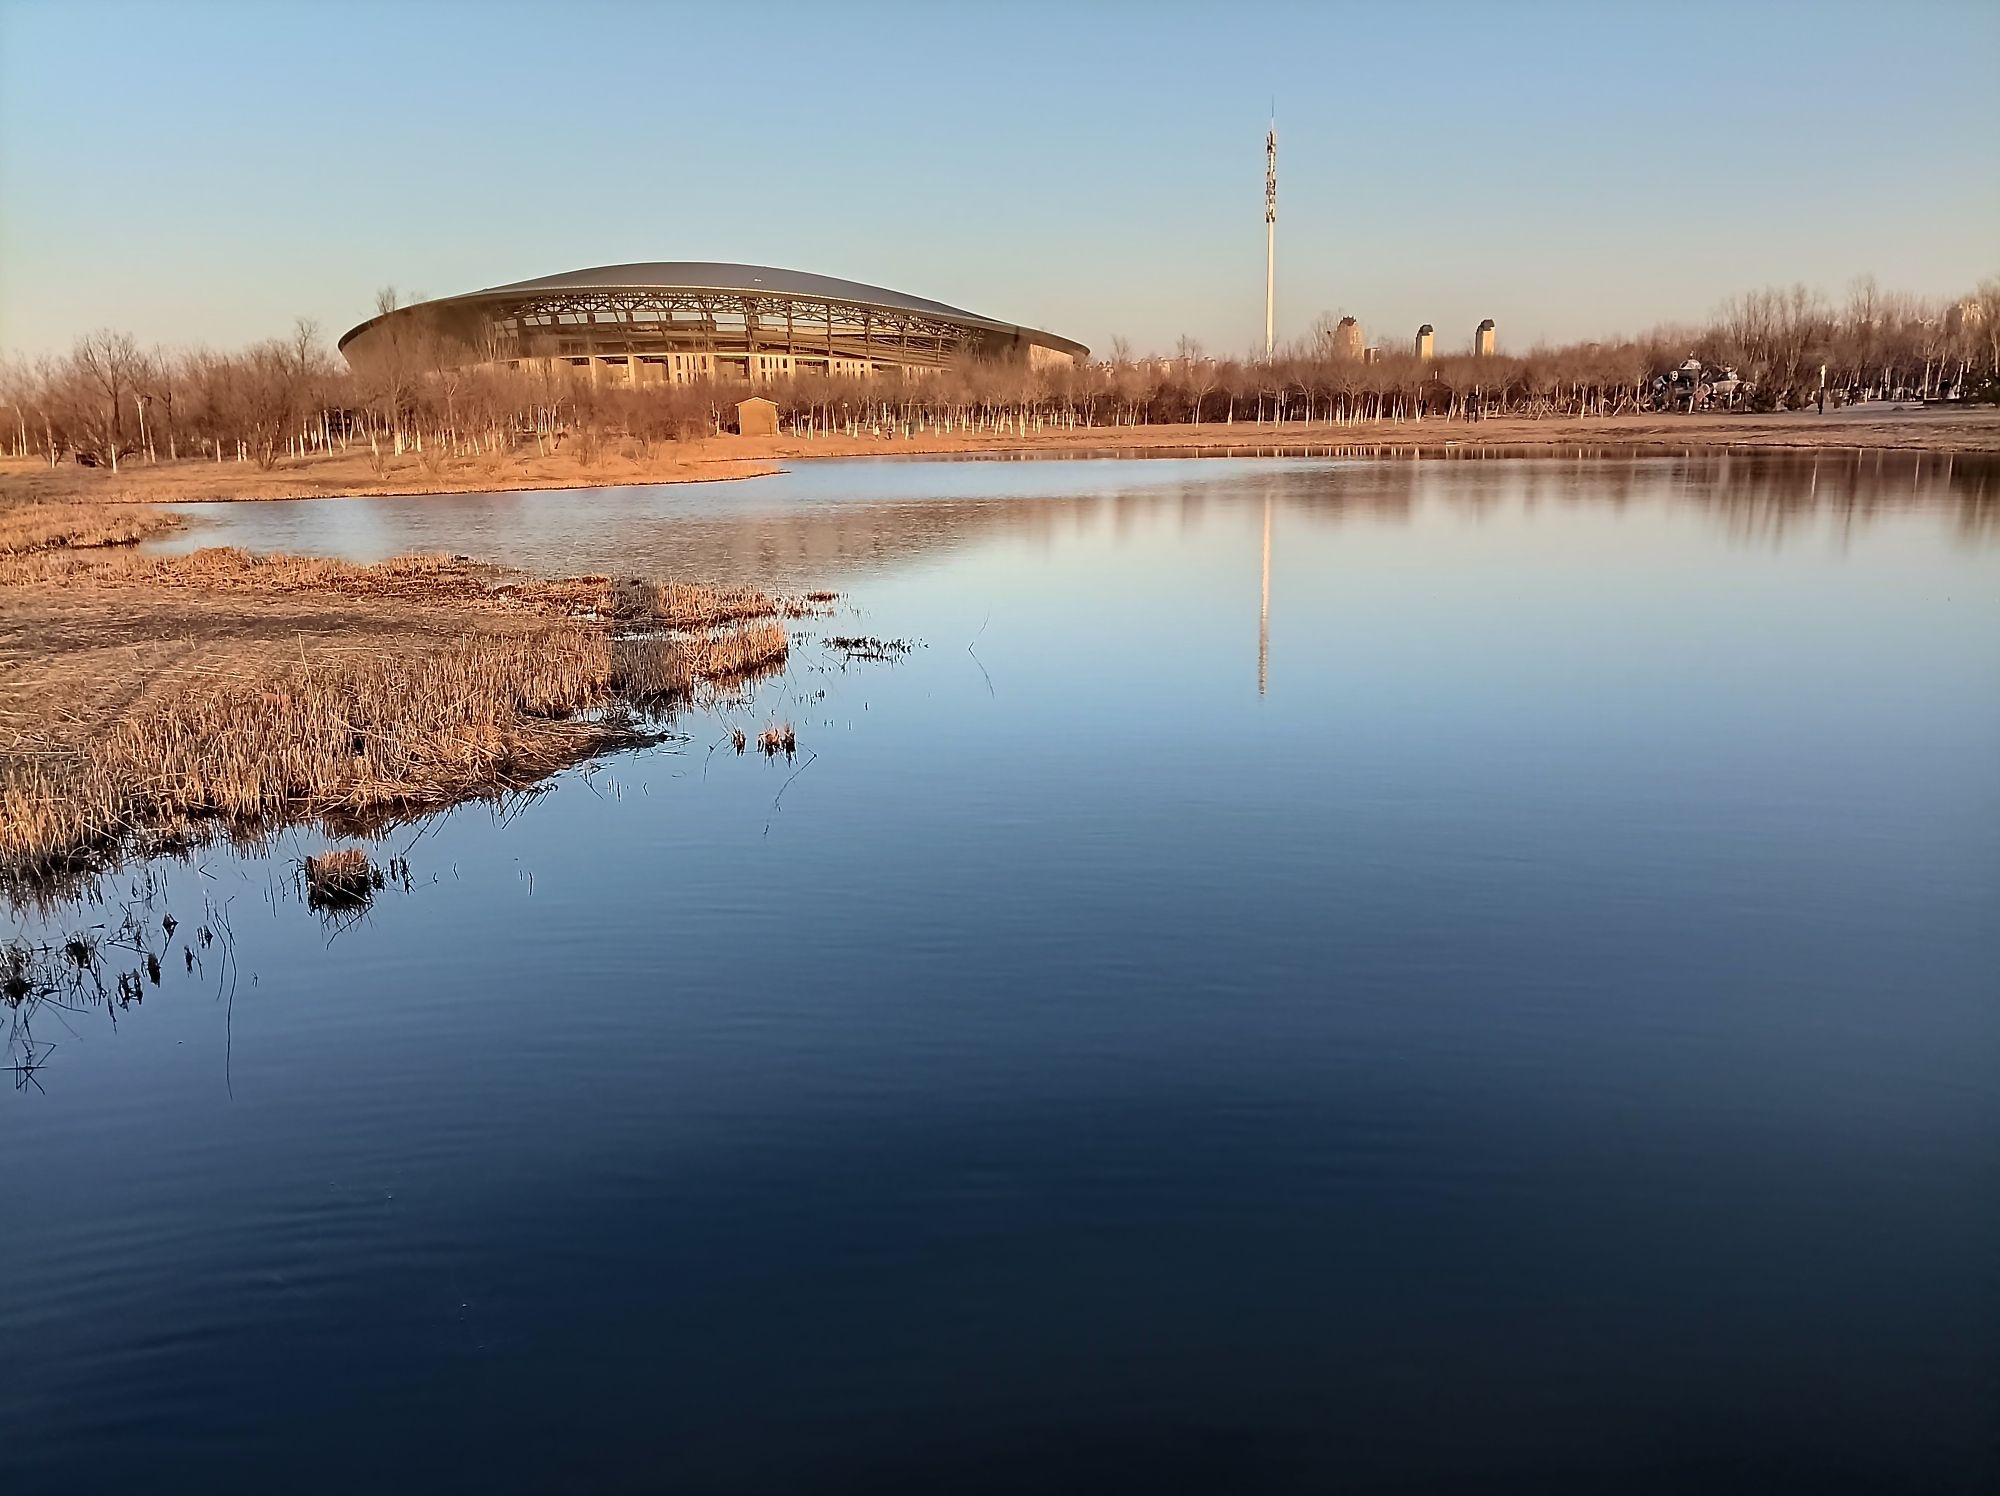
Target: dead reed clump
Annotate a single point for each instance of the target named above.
(340, 881)
(683, 605)
(735, 655)
(650, 674)
(17, 973)
(653, 673)
(778, 738)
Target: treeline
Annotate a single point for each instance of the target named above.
(110, 402)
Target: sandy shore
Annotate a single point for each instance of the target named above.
(729, 457)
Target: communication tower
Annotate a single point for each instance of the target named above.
(1271, 238)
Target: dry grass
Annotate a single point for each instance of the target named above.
(431, 580)
(346, 741)
(778, 738)
(355, 737)
(36, 526)
(353, 473)
(434, 578)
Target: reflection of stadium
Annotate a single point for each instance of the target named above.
(673, 323)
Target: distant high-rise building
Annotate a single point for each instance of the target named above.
(1426, 341)
(1347, 340)
(1482, 339)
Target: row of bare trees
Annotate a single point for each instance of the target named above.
(110, 402)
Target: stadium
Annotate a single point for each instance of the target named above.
(678, 322)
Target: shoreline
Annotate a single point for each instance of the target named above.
(727, 458)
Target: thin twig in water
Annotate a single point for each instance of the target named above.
(975, 655)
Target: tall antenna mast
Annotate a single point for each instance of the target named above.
(1271, 237)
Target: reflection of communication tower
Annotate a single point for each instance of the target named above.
(1270, 239)
(1264, 610)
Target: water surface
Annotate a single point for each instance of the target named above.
(1498, 995)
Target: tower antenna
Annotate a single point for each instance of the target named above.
(1271, 236)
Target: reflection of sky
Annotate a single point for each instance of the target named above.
(1565, 995)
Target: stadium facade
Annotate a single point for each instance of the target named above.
(679, 322)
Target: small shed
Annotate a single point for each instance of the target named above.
(757, 416)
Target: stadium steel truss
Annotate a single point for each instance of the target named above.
(679, 322)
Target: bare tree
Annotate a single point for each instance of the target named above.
(107, 362)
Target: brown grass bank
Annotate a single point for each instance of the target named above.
(150, 702)
(324, 475)
(38, 526)
(419, 580)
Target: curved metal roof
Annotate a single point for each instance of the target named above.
(705, 275)
(752, 280)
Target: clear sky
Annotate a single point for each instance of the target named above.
(208, 172)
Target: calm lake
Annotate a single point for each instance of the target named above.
(1310, 974)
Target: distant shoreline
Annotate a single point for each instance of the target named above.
(1946, 432)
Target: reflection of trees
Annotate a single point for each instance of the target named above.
(1761, 496)
(1758, 496)
(796, 538)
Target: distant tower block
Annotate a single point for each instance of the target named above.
(1347, 340)
(1426, 341)
(1482, 340)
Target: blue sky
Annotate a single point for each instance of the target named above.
(206, 173)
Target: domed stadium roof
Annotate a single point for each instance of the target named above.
(709, 277)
